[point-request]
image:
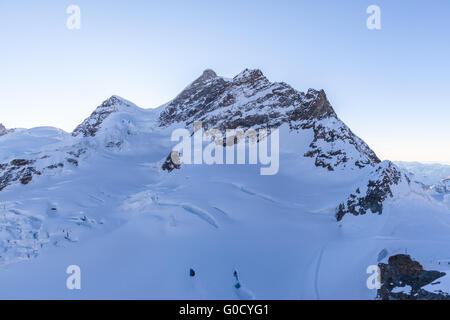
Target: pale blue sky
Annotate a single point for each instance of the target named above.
(391, 86)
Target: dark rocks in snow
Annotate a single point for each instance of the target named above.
(72, 161)
(169, 165)
(4, 131)
(196, 100)
(77, 153)
(27, 177)
(55, 166)
(324, 152)
(17, 170)
(378, 189)
(113, 144)
(314, 106)
(21, 162)
(402, 271)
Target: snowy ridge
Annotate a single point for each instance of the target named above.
(90, 126)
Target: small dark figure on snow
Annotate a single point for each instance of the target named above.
(237, 285)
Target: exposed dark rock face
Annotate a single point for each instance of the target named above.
(23, 170)
(55, 166)
(4, 131)
(402, 271)
(331, 158)
(250, 100)
(196, 100)
(169, 165)
(276, 103)
(17, 170)
(77, 153)
(90, 126)
(73, 161)
(376, 191)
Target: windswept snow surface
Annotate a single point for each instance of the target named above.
(136, 230)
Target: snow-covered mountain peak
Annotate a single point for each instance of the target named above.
(249, 100)
(90, 126)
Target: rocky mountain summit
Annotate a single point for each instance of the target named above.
(251, 101)
(403, 279)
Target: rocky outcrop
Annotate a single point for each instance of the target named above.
(24, 170)
(17, 170)
(374, 193)
(327, 155)
(169, 165)
(250, 100)
(4, 131)
(403, 278)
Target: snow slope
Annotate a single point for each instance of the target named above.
(136, 230)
